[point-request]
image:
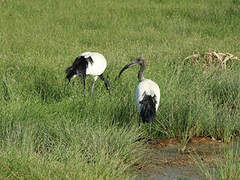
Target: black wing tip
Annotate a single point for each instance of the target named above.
(148, 99)
(148, 110)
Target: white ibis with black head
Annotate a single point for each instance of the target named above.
(88, 63)
(147, 93)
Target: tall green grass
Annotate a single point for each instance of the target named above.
(48, 130)
(226, 165)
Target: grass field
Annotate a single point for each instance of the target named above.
(48, 131)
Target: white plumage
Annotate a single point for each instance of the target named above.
(147, 87)
(88, 63)
(99, 63)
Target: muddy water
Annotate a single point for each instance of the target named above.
(163, 160)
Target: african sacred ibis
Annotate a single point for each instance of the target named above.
(91, 63)
(147, 93)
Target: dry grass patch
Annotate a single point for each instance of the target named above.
(212, 58)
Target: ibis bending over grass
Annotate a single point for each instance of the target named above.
(147, 93)
(88, 63)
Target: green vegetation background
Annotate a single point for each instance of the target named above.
(48, 131)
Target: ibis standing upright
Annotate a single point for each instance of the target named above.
(147, 93)
(88, 63)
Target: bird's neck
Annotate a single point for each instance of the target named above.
(140, 73)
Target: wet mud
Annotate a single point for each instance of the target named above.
(164, 159)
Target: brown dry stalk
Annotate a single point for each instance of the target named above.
(212, 57)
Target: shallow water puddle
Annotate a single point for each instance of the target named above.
(162, 160)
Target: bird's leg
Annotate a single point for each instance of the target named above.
(150, 127)
(84, 88)
(106, 82)
(94, 80)
(139, 120)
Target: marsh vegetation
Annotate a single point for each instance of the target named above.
(48, 131)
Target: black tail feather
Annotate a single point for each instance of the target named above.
(148, 108)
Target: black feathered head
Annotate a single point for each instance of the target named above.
(70, 73)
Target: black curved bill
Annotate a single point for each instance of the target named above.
(127, 66)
